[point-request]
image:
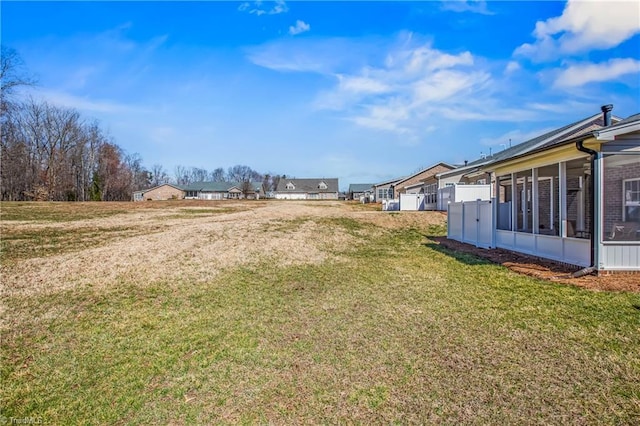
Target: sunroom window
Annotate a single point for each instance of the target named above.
(621, 195)
(504, 202)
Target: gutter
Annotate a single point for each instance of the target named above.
(606, 111)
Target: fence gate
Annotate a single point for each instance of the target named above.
(471, 222)
(412, 202)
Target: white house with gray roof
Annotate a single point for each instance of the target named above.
(358, 190)
(223, 190)
(307, 189)
(383, 191)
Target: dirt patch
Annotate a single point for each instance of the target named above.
(192, 242)
(399, 220)
(546, 269)
(192, 249)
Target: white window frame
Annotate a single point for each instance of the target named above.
(625, 202)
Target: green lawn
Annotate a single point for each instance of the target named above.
(389, 329)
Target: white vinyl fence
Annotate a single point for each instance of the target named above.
(390, 205)
(461, 193)
(412, 202)
(471, 222)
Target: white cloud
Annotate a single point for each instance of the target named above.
(583, 26)
(385, 117)
(512, 66)
(562, 107)
(309, 55)
(299, 28)
(425, 58)
(408, 91)
(362, 84)
(446, 84)
(580, 74)
(475, 6)
(512, 138)
(407, 85)
(85, 103)
(259, 7)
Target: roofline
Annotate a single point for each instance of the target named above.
(421, 183)
(534, 149)
(441, 163)
(367, 187)
(158, 186)
(565, 142)
(609, 133)
(462, 169)
(388, 182)
(313, 178)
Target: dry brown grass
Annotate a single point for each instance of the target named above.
(169, 244)
(294, 312)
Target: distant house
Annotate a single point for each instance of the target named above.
(223, 190)
(383, 191)
(161, 192)
(358, 190)
(415, 183)
(307, 189)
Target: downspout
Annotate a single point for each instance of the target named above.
(606, 113)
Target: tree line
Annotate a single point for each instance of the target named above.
(52, 153)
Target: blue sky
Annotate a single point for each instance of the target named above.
(362, 91)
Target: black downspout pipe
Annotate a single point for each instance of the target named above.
(592, 208)
(606, 113)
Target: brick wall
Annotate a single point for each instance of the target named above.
(544, 206)
(401, 188)
(164, 192)
(612, 194)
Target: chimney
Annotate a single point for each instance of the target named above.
(606, 114)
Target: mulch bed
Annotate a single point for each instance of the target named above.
(547, 269)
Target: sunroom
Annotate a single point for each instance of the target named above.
(618, 197)
(576, 201)
(543, 209)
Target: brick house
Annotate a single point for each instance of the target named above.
(161, 192)
(575, 199)
(416, 182)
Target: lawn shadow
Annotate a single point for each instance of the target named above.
(435, 242)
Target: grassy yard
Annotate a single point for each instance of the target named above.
(295, 313)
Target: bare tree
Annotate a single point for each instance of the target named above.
(217, 175)
(181, 174)
(247, 189)
(50, 153)
(270, 181)
(141, 177)
(240, 173)
(159, 175)
(198, 175)
(12, 73)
